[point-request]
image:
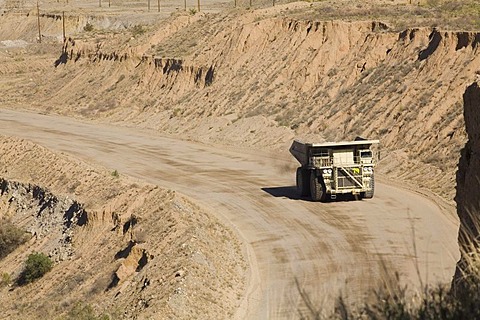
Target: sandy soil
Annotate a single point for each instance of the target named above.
(126, 248)
(326, 247)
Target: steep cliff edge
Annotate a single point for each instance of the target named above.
(468, 186)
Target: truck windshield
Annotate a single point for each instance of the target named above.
(366, 154)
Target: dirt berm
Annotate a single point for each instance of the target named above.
(126, 248)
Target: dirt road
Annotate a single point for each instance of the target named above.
(326, 247)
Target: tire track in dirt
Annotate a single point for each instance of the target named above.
(326, 247)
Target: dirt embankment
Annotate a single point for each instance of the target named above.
(260, 78)
(125, 248)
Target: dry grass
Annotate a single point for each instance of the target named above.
(11, 237)
(393, 300)
(445, 14)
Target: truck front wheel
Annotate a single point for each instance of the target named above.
(317, 188)
(303, 182)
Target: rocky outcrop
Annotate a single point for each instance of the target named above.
(468, 186)
(47, 217)
(179, 70)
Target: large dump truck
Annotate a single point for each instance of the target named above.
(332, 168)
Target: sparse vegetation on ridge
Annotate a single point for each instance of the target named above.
(88, 27)
(84, 312)
(138, 30)
(444, 14)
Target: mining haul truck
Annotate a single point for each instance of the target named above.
(333, 168)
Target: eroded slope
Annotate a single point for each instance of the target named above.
(126, 248)
(262, 77)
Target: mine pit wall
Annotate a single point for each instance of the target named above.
(49, 219)
(348, 79)
(330, 80)
(468, 186)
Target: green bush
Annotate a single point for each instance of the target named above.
(10, 237)
(37, 265)
(115, 174)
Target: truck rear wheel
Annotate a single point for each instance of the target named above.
(369, 194)
(303, 182)
(317, 188)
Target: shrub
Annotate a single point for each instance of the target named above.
(10, 237)
(115, 174)
(6, 279)
(88, 27)
(36, 266)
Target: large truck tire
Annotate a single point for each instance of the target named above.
(318, 191)
(303, 182)
(369, 194)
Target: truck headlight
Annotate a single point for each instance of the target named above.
(368, 170)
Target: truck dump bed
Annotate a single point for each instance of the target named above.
(303, 151)
(331, 168)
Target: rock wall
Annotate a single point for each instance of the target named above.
(49, 219)
(468, 186)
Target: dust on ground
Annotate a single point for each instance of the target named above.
(124, 247)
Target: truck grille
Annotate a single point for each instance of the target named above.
(346, 177)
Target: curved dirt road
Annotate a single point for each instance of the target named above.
(325, 247)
